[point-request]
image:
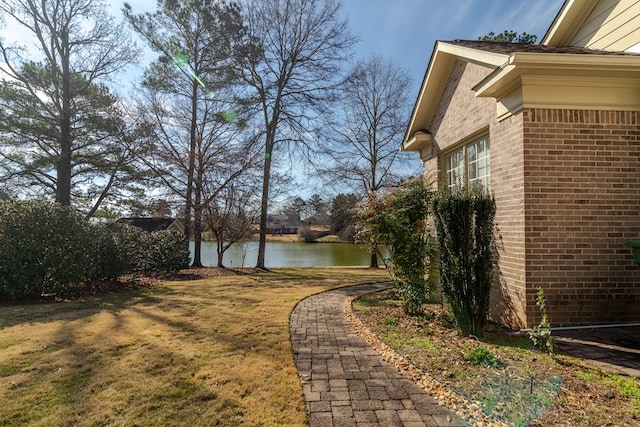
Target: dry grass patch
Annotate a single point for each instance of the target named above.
(205, 352)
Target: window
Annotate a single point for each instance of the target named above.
(469, 165)
(455, 168)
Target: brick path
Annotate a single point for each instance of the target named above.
(345, 381)
(614, 349)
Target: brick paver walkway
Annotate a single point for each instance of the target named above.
(345, 381)
(613, 349)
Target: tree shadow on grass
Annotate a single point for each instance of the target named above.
(69, 310)
(150, 353)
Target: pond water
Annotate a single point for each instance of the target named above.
(281, 254)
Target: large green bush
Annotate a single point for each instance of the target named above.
(160, 251)
(114, 251)
(43, 249)
(122, 249)
(46, 248)
(399, 221)
(464, 225)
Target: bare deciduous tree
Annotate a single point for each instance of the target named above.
(367, 127)
(298, 50)
(231, 215)
(189, 97)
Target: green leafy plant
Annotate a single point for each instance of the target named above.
(540, 335)
(464, 225)
(398, 219)
(42, 248)
(49, 249)
(389, 321)
(482, 356)
(160, 251)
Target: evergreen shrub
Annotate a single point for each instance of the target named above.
(46, 248)
(464, 225)
(43, 249)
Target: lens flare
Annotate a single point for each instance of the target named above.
(229, 115)
(181, 61)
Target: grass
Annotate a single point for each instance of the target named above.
(214, 351)
(628, 387)
(330, 238)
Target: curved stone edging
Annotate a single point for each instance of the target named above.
(465, 409)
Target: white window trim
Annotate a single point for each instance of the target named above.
(464, 147)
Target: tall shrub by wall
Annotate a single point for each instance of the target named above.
(464, 225)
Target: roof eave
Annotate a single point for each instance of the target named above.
(555, 64)
(567, 22)
(442, 60)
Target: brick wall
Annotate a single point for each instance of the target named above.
(567, 189)
(582, 190)
(507, 185)
(461, 114)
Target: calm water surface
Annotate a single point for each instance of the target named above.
(281, 254)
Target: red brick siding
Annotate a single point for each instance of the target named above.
(507, 185)
(582, 190)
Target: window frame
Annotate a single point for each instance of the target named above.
(461, 150)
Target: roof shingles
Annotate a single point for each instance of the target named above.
(510, 48)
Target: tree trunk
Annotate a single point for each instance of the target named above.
(197, 232)
(192, 162)
(374, 256)
(219, 245)
(262, 242)
(374, 246)
(63, 173)
(63, 167)
(197, 212)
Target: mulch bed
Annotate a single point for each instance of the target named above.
(513, 383)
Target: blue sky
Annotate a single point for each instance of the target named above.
(405, 31)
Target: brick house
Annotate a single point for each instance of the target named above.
(554, 131)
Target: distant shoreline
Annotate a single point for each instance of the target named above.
(289, 238)
(294, 238)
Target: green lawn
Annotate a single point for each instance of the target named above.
(213, 351)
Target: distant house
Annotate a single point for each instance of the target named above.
(153, 224)
(279, 224)
(553, 130)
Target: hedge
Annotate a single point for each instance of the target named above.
(46, 248)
